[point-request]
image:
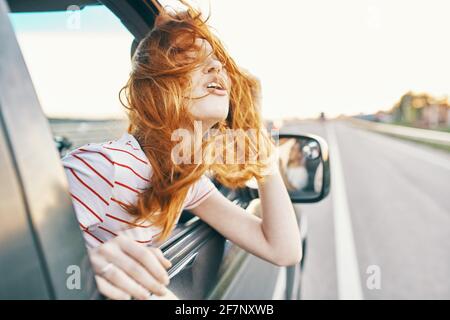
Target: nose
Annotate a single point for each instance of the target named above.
(213, 65)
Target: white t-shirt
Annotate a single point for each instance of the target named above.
(102, 175)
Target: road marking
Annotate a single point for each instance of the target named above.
(348, 277)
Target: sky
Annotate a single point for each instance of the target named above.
(339, 57)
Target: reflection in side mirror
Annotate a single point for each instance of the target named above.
(304, 167)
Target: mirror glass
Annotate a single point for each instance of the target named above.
(301, 166)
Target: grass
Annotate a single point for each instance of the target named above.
(405, 124)
(430, 144)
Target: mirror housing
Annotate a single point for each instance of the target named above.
(304, 166)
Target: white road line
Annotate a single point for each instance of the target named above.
(348, 277)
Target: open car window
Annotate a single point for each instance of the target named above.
(78, 61)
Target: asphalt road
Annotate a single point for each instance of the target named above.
(398, 198)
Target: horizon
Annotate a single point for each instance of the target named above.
(326, 59)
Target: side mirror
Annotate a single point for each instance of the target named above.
(63, 145)
(304, 167)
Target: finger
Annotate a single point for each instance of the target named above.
(122, 281)
(110, 291)
(169, 295)
(133, 269)
(164, 261)
(98, 262)
(147, 258)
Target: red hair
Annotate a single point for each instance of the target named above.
(155, 99)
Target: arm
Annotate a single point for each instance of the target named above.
(275, 237)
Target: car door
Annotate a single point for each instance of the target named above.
(41, 243)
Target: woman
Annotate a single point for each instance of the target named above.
(128, 193)
(292, 165)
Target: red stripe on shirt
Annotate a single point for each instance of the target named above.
(86, 206)
(109, 231)
(125, 186)
(127, 152)
(117, 163)
(99, 240)
(115, 234)
(87, 186)
(127, 222)
(93, 169)
(119, 202)
(129, 144)
(201, 198)
(102, 154)
(132, 170)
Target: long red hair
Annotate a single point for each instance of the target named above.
(155, 98)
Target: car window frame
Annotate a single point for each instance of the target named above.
(50, 212)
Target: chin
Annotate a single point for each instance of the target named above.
(220, 114)
(212, 114)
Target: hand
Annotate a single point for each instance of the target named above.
(284, 149)
(126, 269)
(272, 164)
(272, 160)
(260, 147)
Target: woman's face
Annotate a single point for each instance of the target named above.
(211, 83)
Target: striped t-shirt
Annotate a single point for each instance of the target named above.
(102, 175)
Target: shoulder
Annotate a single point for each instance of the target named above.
(94, 169)
(90, 160)
(100, 159)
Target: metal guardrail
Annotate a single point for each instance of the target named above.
(82, 132)
(423, 135)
